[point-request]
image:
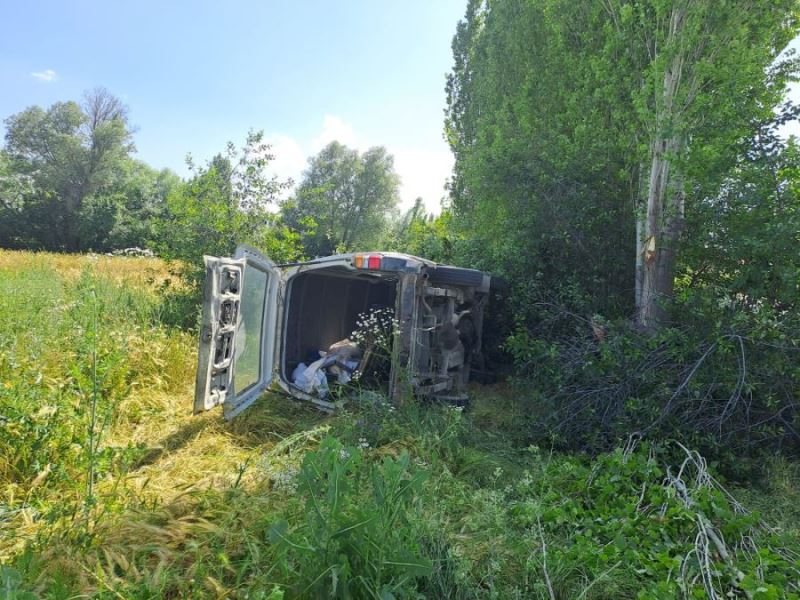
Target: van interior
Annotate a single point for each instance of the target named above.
(323, 306)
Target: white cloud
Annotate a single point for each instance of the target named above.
(335, 129)
(290, 159)
(792, 127)
(423, 171)
(47, 76)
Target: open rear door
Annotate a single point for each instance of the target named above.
(238, 334)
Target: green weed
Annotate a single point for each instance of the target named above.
(376, 501)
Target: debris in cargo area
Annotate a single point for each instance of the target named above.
(368, 351)
(339, 361)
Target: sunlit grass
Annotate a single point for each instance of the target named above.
(182, 505)
(155, 448)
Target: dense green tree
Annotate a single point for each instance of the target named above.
(71, 153)
(125, 215)
(543, 188)
(423, 234)
(346, 198)
(747, 250)
(145, 191)
(15, 187)
(232, 199)
(706, 81)
(578, 125)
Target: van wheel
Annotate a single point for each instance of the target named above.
(456, 276)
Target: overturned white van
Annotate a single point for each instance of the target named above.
(260, 320)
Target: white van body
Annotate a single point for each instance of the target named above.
(259, 318)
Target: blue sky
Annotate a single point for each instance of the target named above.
(197, 74)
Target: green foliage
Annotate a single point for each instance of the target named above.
(141, 202)
(422, 234)
(344, 200)
(555, 110)
(721, 373)
(59, 158)
(356, 539)
(749, 230)
(711, 76)
(540, 126)
(721, 379)
(629, 526)
(227, 202)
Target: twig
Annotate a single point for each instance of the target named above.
(544, 561)
(598, 578)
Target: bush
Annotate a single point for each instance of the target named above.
(722, 380)
(640, 522)
(225, 203)
(356, 537)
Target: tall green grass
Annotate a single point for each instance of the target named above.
(111, 488)
(72, 349)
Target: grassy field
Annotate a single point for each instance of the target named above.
(109, 487)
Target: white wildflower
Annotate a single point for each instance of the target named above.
(286, 480)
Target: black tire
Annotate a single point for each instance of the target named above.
(456, 276)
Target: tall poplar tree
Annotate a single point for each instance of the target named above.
(587, 132)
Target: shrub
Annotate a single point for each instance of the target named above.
(722, 379)
(355, 537)
(639, 522)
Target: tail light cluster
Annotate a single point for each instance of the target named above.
(367, 261)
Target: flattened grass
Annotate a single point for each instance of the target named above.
(152, 449)
(182, 504)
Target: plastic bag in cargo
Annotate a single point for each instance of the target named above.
(311, 379)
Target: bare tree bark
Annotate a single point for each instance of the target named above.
(660, 225)
(639, 272)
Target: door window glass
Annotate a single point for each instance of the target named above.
(249, 335)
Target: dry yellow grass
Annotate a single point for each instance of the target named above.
(145, 273)
(177, 453)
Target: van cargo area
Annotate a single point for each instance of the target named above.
(323, 306)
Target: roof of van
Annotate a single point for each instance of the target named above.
(334, 257)
(444, 273)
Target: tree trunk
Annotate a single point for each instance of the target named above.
(639, 272)
(659, 226)
(658, 230)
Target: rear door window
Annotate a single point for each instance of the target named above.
(249, 339)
